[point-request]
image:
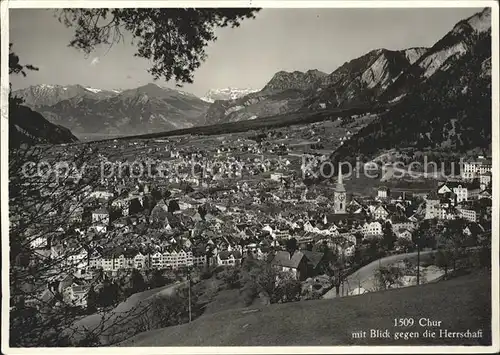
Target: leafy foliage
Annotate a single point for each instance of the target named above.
(231, 276)
(173, 39)
(15, 66)
(388, 236)
(388, 277)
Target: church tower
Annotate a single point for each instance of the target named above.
(340, 195)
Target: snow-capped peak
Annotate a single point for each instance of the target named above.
(93, 90)
(47, 86)
(229, 93)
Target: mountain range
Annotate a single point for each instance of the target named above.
(443, 99)
(226, 94)
(47, 95)
(381, 76)
(146, 109)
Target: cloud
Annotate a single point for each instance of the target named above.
(94, 61)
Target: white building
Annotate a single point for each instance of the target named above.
(373, 229)
(101, 216)
(485, 180)
(462, 191)
(101, 194)
(139, 261)
(76, 295)
(468, 214)
(228, 258)
(472, 169)
(383, 192)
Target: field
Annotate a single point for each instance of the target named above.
(333, 322)
(264, 123)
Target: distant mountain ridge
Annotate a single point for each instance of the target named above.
(443, 54)
(47, 95)
(379, 76)
(146, 109)
(450, 105)
(296, 80)
(226, 94)
(360, 80)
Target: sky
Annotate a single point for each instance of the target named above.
(244, 57)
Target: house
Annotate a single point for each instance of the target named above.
(98, 228)
(229, 258)
(380, 212)
(156, 260)
(401, 222)
(95, 260)
(315, 262)
(403, 234)
(77, 258)
(300, 264)
(199, 259)
(295, 264)
(469, 214)
(39, 242)
(101, 195)
(110, 261)
(471, 169)
(463, 191)
(101, 216)
(120, 223)
(128, 259)
(432, 206)
(169, 258)
(277, 176)
(123, 205)
(474, 229)
(159, 213)
(140, 261)
(485, 194)
(372, 229)
(76, 214)
(76, 295)
(255, 250)
(107, 263)
(485, 180)
(355, 206)
(383, 192)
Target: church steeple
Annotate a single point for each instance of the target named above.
(340, 184)
(340, 195)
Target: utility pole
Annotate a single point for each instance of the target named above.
(189, 294)
(418, 260)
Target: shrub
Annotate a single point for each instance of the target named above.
(206, 275)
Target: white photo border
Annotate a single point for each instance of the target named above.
(24, 4)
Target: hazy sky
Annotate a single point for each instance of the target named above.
(245, 57)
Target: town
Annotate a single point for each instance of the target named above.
(223, 199)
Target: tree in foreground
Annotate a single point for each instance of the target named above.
(387, 277)
(173, 39)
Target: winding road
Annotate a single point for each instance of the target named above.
(364, 276)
